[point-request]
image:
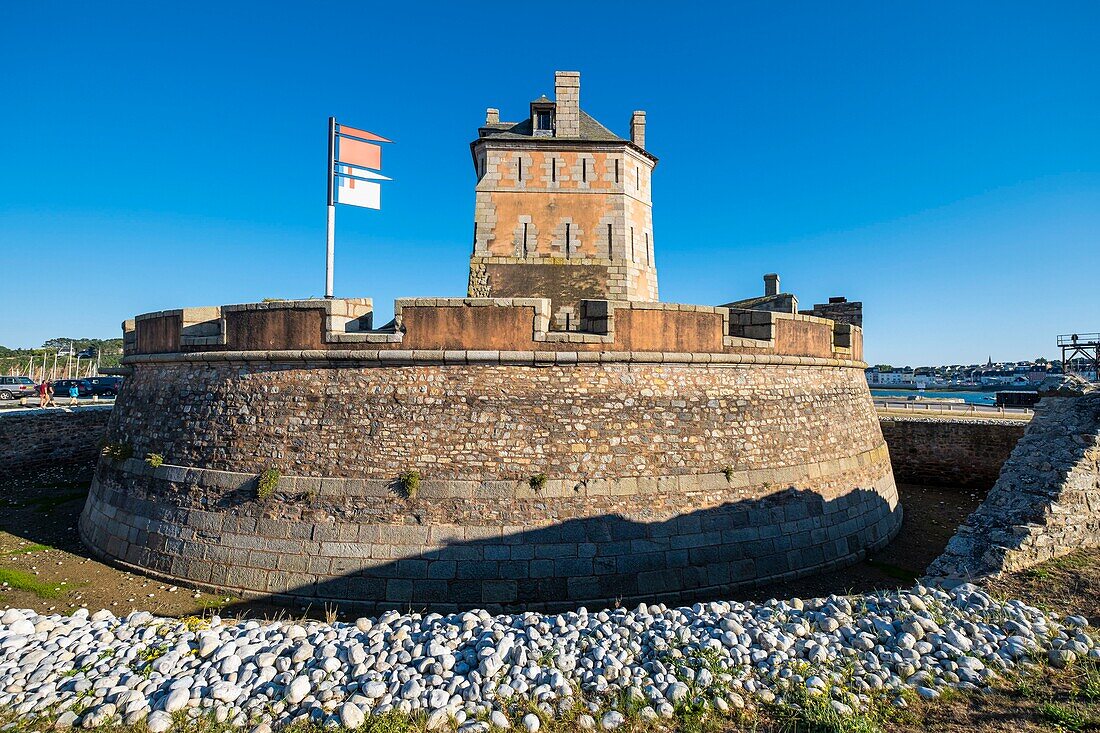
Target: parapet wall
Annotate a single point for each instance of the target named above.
(517, 327)
(951, 452)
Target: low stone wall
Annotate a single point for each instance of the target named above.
(1046, 502)
(951, 452)
(30, 438)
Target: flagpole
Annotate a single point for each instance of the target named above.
(331, 250)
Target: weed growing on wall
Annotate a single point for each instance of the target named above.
(537, 482)
(154, 459)
(266, 484)
(410, 483)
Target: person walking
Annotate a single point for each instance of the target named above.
(45, 392)
(74, 392)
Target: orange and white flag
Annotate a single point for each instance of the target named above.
(356, 160)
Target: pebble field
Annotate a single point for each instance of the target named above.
(475, 672)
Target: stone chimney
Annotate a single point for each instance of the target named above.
(637, 128)
(492, 116)
(771, 284)
(567, 96)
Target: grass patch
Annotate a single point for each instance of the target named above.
(22, 580)
(1066, 717)
(28, 549)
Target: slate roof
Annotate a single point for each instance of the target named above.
(590, 130)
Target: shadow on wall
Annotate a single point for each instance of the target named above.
(596, 561)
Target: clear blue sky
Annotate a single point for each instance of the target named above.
(938, 161)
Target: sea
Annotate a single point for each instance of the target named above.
(971, 398)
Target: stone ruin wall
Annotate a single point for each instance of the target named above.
(680, 461)
(965, 453)
(1046, 502)
(32, 438)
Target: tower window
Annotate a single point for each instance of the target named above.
(553, 169)
(638, 178)
(524, 239)
(519, 168)
(543, 120)
(632, 244)
(567, 240)
(616, 170)
(584, 169)
(608, 241)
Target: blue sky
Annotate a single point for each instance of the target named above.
(938, 161)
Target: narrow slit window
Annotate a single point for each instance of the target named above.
(631, 243)
(648, 251)
(584, 169)
(637, 178)
(524, 239)
(616, 170)
(568, 242)
(553, 169)
(609, 241)
(519, 169)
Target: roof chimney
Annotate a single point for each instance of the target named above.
(567, 95)
(637, 128)
(492, 116)
(771, 284)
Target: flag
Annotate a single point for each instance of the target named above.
(355, 160)
(355, 186)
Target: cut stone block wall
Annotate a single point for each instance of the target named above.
(951, 452)
(636, 504)
(1046, 502)
(30, 438)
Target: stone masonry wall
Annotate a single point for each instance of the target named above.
(489, 422)
(1046, 502)
(952, 452)
(655, 480)
(30, 438)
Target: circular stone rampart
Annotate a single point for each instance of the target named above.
(541, 486)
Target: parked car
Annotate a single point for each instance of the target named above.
(88, 353)
(61, 388)
(105, 386)
(12, 388)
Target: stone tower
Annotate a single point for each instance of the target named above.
(563, 207)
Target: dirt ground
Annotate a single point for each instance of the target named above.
(44, 566)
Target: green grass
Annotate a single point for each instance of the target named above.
(1065, 717)
(28, 549)
(22, 580)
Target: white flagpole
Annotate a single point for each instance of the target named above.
(331, 250)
